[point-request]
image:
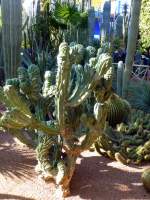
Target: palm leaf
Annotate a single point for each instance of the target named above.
(66, 13)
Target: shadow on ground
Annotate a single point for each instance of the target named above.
(15, 160)
(97, 178)
(16, 197)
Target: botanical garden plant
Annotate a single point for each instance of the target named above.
(127, 142)
(55, 116)
(139, 95)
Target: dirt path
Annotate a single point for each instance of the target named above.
(96, 178)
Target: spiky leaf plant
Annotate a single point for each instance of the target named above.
(139, 95)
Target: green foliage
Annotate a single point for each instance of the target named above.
(116, 43)
(145, 24)
(68, 14)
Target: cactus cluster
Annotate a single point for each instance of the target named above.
(55, 115)
(130, 141)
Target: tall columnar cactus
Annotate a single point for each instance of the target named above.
(11, 35)
(131, 45)
(118, 27)
(105, 32)
(120, 71)
(91, 22)
(125, 24)
(28, 107)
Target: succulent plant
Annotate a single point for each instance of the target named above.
(119, 110)
(146, 178)
(139, 95)
(131, 141)
(58, 133)
(11, 34)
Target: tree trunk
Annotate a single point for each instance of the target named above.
(131, 45)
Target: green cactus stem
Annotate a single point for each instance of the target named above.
(131, 44)
(120, 71)
(29, 103)
(11, 35)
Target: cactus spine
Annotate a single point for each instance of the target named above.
(11, 35)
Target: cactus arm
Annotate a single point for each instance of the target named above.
(17, 120)
(91, 78)
(44, 128)
(22, 136)
(62, 84)
(15, 99)
(83, 85)
(96, 129)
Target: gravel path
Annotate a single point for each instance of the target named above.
(95, 178)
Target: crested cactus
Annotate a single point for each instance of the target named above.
(11, 35)
(28, 105)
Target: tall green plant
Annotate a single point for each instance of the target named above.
(131, 45)
(139, 95)
(125, 24)
(11, 35)
(105, 32)
(59, 138)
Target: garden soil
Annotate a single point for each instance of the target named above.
(95, 178)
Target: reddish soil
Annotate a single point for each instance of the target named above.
(95, 178)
